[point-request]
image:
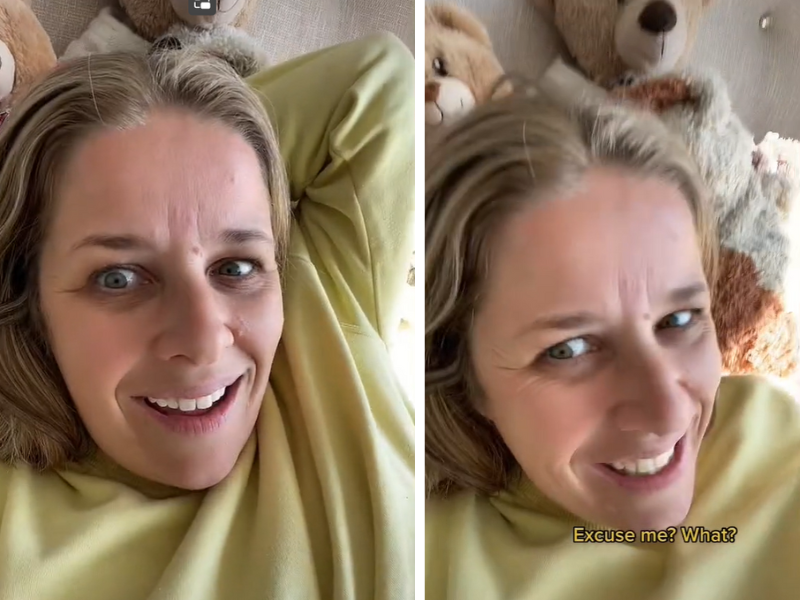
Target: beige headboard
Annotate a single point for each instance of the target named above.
(761, 66)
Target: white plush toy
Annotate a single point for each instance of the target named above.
(106, 34)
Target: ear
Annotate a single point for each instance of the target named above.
(458, 19)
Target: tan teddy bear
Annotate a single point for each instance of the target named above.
(461, 69)
(26, 53)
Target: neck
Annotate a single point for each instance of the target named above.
(524, 500)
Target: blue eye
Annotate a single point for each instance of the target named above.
(678, 319)
(116, 278)
(568, 350)
(237, 268)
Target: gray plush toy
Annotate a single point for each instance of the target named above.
(233, 45)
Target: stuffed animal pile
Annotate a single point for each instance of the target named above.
(637, 52)
(26, 53)
(147, 24)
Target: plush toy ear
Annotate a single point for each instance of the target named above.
(458, 19)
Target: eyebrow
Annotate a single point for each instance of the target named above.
(236, 237)
(576, 320)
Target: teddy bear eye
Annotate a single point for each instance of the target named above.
(439, 67)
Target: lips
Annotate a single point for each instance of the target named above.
(658, 480)
(644, 466)
(189, 405)
(195, 392)
(198, 421)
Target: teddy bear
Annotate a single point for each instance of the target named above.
(461, 69)
(26, 53)
(153, 18)
(615, 42)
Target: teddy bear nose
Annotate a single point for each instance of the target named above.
(658, 17)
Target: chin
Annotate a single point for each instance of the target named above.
(638, 519)
(654, 522)
(197, 475)
(202, 479)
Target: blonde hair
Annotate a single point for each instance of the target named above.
(39, 425)
(503, 156)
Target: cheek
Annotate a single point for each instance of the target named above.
(94, 348)
(702, 366)
(259, 324)
(543, 424)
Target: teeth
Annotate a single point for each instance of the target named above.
(189, 404)
(647, 466)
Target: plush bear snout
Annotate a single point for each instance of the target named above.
(651, 37)
(447, 99)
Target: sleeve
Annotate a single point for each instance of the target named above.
(344, 117)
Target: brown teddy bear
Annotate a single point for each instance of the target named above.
(153, 18)
(614, 41)
(461, 69)
(26, 53)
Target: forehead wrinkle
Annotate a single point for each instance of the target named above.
(138, 194)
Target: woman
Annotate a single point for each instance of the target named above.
(196, 399)
(575, 405)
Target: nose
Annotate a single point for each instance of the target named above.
(654, 401)
(196, 328)
(658, 17)
(432, 91)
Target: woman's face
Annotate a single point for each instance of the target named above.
(161, 295)
(596, 352)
